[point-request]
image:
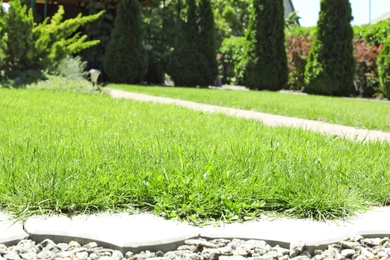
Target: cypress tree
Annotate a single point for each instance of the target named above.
(125, 59)
(184, 59)
(265, 61)
(330, 67)
(193, 61)
(208, 67)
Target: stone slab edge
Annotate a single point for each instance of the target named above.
(12, 232)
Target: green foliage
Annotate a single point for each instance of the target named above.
(193, 60)
(72, 68)
(265, 62)
(232, 50)
(291, 20)
(367, 78)
(231, 18)
(56, 39)
(183, 61)
(384, 69)
(373, 34)
(301, 31)
(17, 37)
(25, 46)
(125, 59)
(330, 68)
(207, 63)
(98, 30)
(3, 44)
(298, 48)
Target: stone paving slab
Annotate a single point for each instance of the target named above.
(118, 231)
(284, 232)
(11, 231)
(267, 119)
(146, 231)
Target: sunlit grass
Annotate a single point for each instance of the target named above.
(68, 152)
(361, 113)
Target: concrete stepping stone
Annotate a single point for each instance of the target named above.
(11, 231)
(122, 231)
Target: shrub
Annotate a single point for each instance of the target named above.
(2, 38)
(125, 59)
(373, 34)
(26, 46)
(330, 68)
(59, 38)
(208, 67)
(193, 60)
(72, 68)
(232, 50)
(301, 31)
(384, 69)
(367, 78)
(297, 49)
(17, 37)
(265, 62)
(98, 30)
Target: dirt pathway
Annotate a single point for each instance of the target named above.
(267, 119)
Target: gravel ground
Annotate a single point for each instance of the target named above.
(356, 247)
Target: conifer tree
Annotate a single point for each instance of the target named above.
(18, 37)
(330, 66)
(193, 61)
(125, 59)
(208, 67)
(265, 61)
(184, 59)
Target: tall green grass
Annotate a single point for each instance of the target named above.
(367, 114)
(66, 152)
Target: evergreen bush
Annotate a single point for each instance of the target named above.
(3, 45)
(297, 48)
(207, 64)
(330, 68)
(72, 68)
(125, 59)
(373, 34)
(232, 50)
(17, 37)
(193, 60)
(25, 46)
(183, 62)
(265, 62)
(384, 69)
(98, 30)
(367, 77)
(55, 40)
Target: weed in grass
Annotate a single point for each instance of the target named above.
(65, 152)
(361, 113)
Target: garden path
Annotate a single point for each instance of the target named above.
(268, 119)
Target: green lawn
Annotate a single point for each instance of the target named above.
(62, 151)
(367, 114)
